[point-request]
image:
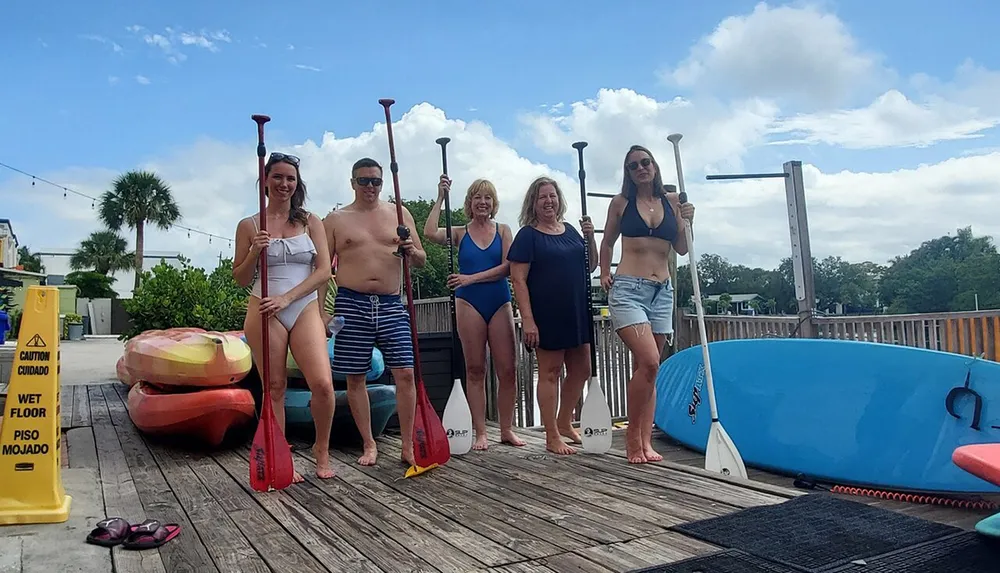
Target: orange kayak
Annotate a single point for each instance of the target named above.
(185, 357)
(205, 414)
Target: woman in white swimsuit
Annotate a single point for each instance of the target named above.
(298, 262)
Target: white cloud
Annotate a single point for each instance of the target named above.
(308, 68)
(143, 80)
(115, 47)
(113, 80)
(783, 52)
(891, 121)
(171, 40)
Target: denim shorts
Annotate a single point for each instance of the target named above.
(634, 300)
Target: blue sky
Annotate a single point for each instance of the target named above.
(476, 61)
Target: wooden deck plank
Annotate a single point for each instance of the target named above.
(574, 563)
(186, 552)
(66, 394)
(362, 532)
(81, 407)
(120, 496)
(517, 530)
(644, 503)
(405, 524)
(646, 551)
(448, 539)
(599, 528)
(535, 566)
(324, 542)
(81, 448)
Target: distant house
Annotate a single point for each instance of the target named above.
(740, 303)
(8, 245)
(56, 263)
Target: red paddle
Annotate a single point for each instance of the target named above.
(270, 457)
(430, 442)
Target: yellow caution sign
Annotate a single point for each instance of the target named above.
(31, 488)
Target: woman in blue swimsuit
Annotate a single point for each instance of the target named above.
(640, 296)
(482, 303)
(552, 283)
(298, 261)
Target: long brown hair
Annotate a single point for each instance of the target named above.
(297, 213)
(629, 188)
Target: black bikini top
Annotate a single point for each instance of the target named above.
(632, 224)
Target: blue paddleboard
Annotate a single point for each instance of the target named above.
(381, 400)
(839, 411)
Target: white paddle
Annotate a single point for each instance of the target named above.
(721, 455)
(457, 420)
(595, 416)
(457, 417)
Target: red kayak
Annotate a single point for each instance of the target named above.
(205, 414)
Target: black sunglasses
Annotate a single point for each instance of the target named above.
(278, 156)
(632, 166)
(366, 181)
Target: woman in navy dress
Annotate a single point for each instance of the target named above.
(548, 268)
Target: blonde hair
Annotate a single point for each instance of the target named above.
(481, 186)
(528, 218)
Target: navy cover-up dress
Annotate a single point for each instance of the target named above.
(557, 284)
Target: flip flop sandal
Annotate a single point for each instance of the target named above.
(151, 534)
(110, 532)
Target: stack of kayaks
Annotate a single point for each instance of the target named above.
(184, 383)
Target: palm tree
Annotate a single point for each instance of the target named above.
(137, 198)
(103, 251)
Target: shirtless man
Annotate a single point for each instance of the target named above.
(363, 237)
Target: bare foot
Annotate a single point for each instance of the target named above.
(650, 454)
(323, 469)
(406, 455)
(570, 433)
(557, 446)
(370, 455)
(509, 437)
(633, 447)
(480, 443)
(297, 478)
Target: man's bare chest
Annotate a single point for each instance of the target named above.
(363, 234)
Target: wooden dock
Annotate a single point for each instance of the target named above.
(508, 509)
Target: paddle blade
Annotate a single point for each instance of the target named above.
(595, 420)
(417, 470)
(721, 455)
(430, 442)
(271, 464)
(457, 420)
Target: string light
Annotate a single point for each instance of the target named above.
(93, 203)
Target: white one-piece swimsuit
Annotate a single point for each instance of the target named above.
(290, 260)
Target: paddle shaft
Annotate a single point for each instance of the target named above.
(404, 233)
(443, 142)
(579, 145)
(262, 264)
(692, 262)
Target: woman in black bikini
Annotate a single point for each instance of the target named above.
(482, 303)
(640, 296)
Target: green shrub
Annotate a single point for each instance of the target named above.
(172, 297)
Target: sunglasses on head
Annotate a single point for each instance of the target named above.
(278, 156)
(633, 165)
(366, 181)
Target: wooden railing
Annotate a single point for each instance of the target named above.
(968, 333)
(974, 333)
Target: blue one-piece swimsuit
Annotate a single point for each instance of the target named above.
(487, 298)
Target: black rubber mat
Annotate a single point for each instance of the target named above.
(729, 561)
(965, 552)
(815, 531)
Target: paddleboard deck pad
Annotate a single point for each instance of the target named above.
(853, 413)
